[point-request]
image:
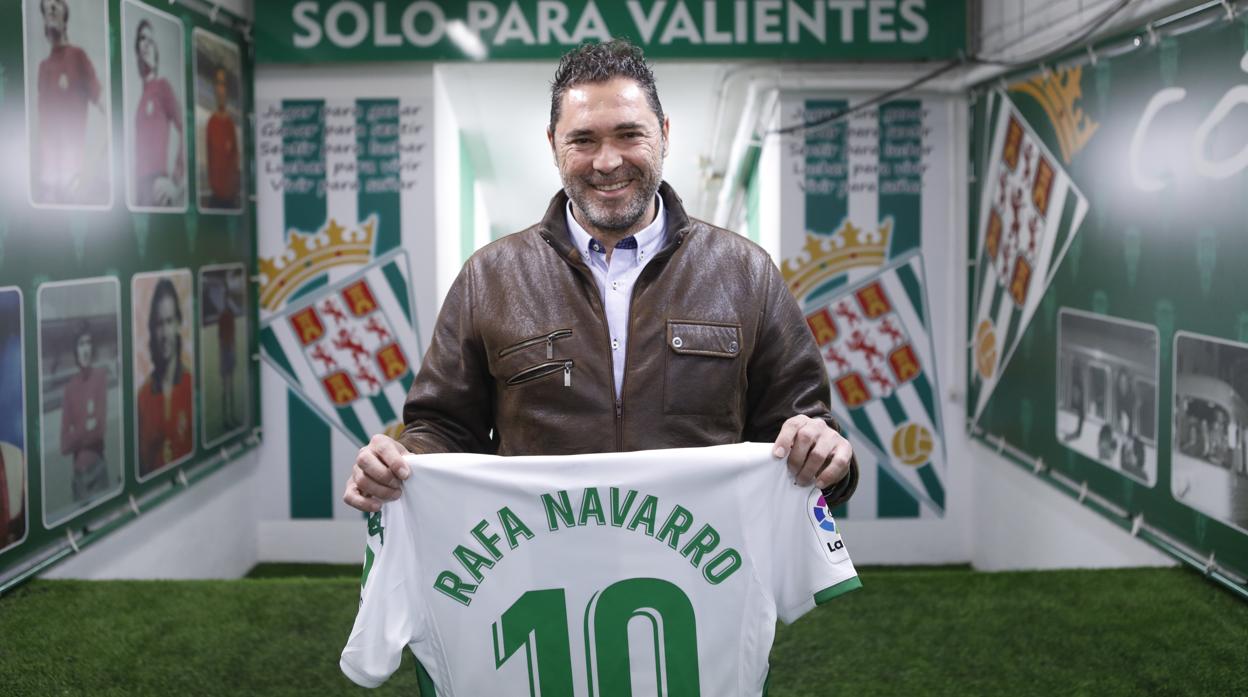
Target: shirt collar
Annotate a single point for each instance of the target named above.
(647, 240)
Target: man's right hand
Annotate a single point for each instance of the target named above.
(377, 475)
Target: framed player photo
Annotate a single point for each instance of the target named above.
(1107, 392)
(80, 416)
(153, 72)
(223, 337)
(1209, 455)
(13, 486)
(68, 103)
(218, 123)
(163, 352)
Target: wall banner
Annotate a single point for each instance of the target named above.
(856, 201)
(344, 185)
(1109, 334)
(322, 31)
(127, 322)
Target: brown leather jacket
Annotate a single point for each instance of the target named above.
(520, 360)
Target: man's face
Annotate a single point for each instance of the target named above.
(54, 15)
(166, 329)
(83, 351)
(147, 48)
(609, 147)
(221, 88)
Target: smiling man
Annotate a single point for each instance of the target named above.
(618, 322)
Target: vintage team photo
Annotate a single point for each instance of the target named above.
(163, 351)
(13, 485)
(218, 123)
(1107, 392)
(223, 356)
(68, 103)
(80, 395)
(1209, 457)
(153, 103)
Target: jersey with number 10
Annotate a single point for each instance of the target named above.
(657, 572)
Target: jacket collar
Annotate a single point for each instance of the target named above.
(554, 224)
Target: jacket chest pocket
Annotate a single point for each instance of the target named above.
(703, 372)
(534, 358)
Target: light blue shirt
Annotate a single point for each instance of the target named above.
(615, 279)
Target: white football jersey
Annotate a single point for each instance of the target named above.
(663, 570)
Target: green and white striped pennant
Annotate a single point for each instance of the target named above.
(1030, 211)
(876, 342)
(347, 347)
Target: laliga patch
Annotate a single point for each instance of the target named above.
(829, 537)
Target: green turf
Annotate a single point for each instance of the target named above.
(909, 632)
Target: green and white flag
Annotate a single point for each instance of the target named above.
(349, 347)
(1029, 213)
(876, 343)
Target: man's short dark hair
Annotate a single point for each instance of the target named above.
(597, 63)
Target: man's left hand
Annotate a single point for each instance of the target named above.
(816, 452)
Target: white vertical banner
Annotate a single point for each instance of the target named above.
(345, 212)
(866, 202)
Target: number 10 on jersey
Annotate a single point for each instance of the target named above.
(538, 623)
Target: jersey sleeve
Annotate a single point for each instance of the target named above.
(810, 565)
(390, 616)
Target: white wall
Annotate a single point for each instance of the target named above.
(207, 531)
(446, 176)
(1021, 522)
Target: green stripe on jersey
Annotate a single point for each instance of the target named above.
(839, 589)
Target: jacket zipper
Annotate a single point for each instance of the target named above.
(549, 339)
(541, 370)
(663, 254)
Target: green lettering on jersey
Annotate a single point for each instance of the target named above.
(703, 542)
(562, 509)
(722, 566)
(490, 542)
(472, 561)
(619, 509)
(678, 521)
(513, 527)
(591, 507)
(645, 515)
(375, 528)
(453, 587)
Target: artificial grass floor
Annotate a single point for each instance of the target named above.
(909, 632)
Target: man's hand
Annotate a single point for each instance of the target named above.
(375, 479)
(816, 452)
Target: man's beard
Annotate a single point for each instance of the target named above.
(624, 214)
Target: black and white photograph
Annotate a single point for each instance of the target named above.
(68, 103)
(79, 395)
(1107, 392)
(153, 103)
(1209, 457)
(218, 123)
